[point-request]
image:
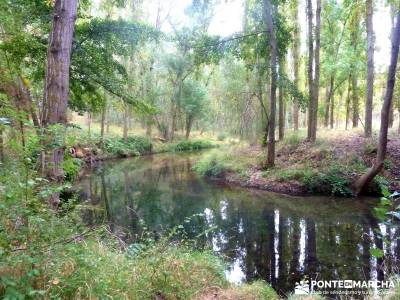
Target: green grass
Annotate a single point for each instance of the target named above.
(133, 146)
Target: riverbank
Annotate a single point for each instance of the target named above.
(328, 167)
(47, 254)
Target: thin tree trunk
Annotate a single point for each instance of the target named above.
(189, 122)
(281, 120)
(370, 75)
(328, 103)
(274, 57)
(332, 121)
(314, 120)
(348, 102)
(57, 83)
(295, 54)
(364, 180)
(310, 67)
(355, 101)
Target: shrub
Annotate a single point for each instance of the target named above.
(71, 167)
(334, 181)
(222, 136)
(192, 145)
(211, 165)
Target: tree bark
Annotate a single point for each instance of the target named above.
(281, 120)
(332, 117)
(103, 119)
(273, 57)
(57, 83)
(328, 102)
(370, 66)
(364, 180)
(189, 122)
(310, 67)
(295, 55)
(348, 102)
(355, 101)
(315, 94)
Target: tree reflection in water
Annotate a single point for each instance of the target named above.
(278, 238)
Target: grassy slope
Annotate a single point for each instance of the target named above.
(328, 167)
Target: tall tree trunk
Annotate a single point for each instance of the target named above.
(57, 84)
(274, 57)
(295, 56)
(355, 101)
(391, 116)
(348, 102)
(310, 67)
(281, 120)
(328, 102)
(189, 122)
(364, 180)
(315, 94)
(370, 75)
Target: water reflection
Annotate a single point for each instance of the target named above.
(277, 238)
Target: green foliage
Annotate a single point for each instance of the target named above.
(71, 167)
(334, 182)
(190, 145)
(212, 165)
(133, 146)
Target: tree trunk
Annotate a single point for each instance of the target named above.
(274, 57)
(57, 84)
(355, 101)
(391, 116)
(315, 94)
(370, 75)
(332, 118)
(295, 54)
(281, 120)
(189, 122)
(364, 180)
(328, 102)
(348, 102)
(310, 67)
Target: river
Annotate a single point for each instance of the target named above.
(261, 235)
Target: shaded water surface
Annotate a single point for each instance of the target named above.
(261, 235)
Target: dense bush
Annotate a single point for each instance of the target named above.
(192, 145)
(333, 181)
(212, 165)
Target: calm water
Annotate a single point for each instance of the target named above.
(261, 235)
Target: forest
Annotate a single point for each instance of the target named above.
(199, 149)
